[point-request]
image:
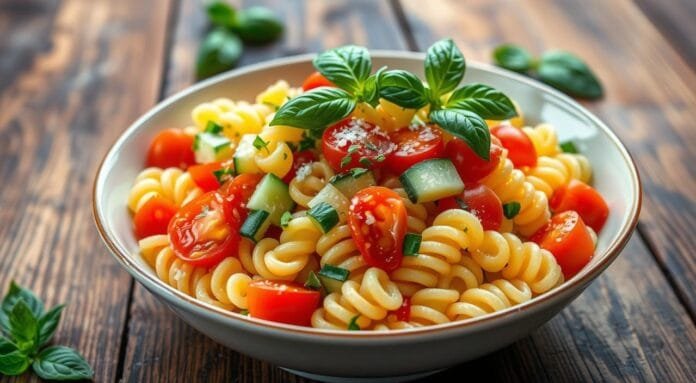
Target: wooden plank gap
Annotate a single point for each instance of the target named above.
(404, 25)
(123, 346)
(170, 39)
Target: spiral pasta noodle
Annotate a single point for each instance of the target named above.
(510, 185)
(531, 264)
(337, 248)
(429, 306)
(417, 214)
(464, 275)
(550, 173)
(157, 252)
(277, 94)
(236, 119)
(173, 184)
(310, 179)
(289, 256)
(544, 139)
(386, 115)
(488, 298)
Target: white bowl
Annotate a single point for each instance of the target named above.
(403, 353)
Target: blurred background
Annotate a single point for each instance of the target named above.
(75, 73)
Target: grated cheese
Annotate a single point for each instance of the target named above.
(304, 171)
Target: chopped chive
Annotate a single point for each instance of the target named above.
(259, 143)
(213, 128)
(412, 243)
(371, 146)
(346, 160)
(285, 219)
(511, 209)
(353, 148)
(353, 325)
(569, 147)
(380, 158)
(365, 162)
(313, 281)
(357, 172)
(334, 272)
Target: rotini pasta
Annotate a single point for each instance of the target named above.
(175, 185)
(489, 297)
(544, 139)
(550, 173)
(310, 179)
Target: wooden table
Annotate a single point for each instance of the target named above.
(75, 73)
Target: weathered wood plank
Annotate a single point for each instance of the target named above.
(160, 346)
(73, 77)
(674, 19)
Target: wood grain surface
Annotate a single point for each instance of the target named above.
(74, 74)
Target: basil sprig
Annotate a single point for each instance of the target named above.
(462, 113)
(562, 70)
(26, 328)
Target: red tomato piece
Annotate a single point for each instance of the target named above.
(481, 201)
(520, 148)
(171, 148)
(205, 230)
(299, 159)
(414, 146)
(585, 200)
(377, 221)
(316, 80)
(354, 143)
(567, 238)
(203, 175)
(403, 313)
(471, 167)
(284, 302)
(238, 191)
(153, 217)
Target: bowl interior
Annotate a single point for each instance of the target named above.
(614, 174)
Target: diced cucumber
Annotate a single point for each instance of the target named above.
(431, 180)
(271, 195)
(331, 195)
(332, 278)
(324, 216)
(211, 147)
(255, 226)
(244, 161)
(353, 181)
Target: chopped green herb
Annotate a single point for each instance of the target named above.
(412, 243)
(462, 204)
(244, 312)
(346, 160)
(569, 147)
(371, 146)
(313, 281)
(223, 175)
(357, 172)
(213, 128)
(365, 162)
(353, 148)
(293, 147)
(511, 209)
(380, 158)
(306, 143)
(285, 219)
(334, 272)
(259, 144)
(353, 325)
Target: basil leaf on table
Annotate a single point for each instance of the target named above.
(569, 74)
(221, 13)
(13, 296)
(24, 326)
(487, 102)
(315, 110)
(61, 363)
(12, 360)
(444, 67)
(48, 323)
(220, 51)
(403, 88)
(258, 25)
(513, 57)
(348, 67)
(467, 126)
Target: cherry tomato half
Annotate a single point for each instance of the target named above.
(585, 200)
(153, 217)
(315, 80)
(481, 201)
(403, 313)
(414, 146)
(567, 238)
(471, 167)
(204, 177)
(284, 302)
(377, 221)
(299, 159)
(520, 148)
(362, 143)
(238, 191)
(171, 148)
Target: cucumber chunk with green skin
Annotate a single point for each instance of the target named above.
(324, 216)
(210, 147)
(271, 195)
(331, 195)
(351, 182)
(255, 226)
(431, 180)
(332, 278)
(244, 156)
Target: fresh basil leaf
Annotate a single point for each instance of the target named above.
(569, 147)
(16, 293)
(315, 110)
(467, 126)
(403, 88)
(487, 102)
(24, 326)
(569, 74)
(258, 25)
(348, 67)
(220, 51)
(370, 92)
(513, 57)
(444, 67)
(12, 360)
(221, 13)
(353, 324)
(61, 363)
(48, 323)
